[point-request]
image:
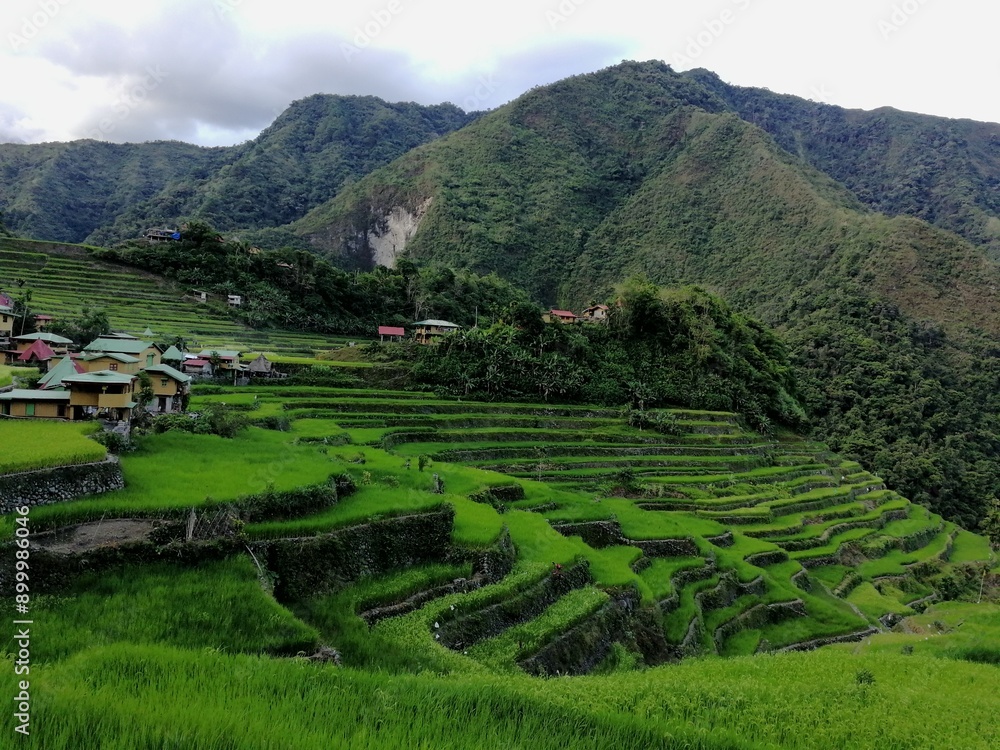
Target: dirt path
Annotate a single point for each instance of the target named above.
(91, 536)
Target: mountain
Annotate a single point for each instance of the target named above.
(64, 191)
(573, 187)
(944, 171)
(88, 191)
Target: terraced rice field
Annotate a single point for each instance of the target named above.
(736, 542)
(63, 278)
(564, 543)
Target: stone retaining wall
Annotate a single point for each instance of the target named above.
(58, 484)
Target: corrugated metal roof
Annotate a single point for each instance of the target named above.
(437, 324)
(22, 394)
(122, 346)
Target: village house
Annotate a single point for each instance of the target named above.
(55, 346)
(393, 333)
(229, 359)
(102, 394)
(113, 361)
(560, 316)
(431, 331)
(62, 369)
(596, 314)
(146, 352)
(76, 395)
(172, 356)
(170, 387)
(37, 354)
(197, 366)
(38, 404)
(6, 319)
(42, 322)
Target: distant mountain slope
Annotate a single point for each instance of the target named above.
(64, 191)
(100, 192)
(573, 187)
(941, 170)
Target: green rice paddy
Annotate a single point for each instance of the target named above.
(737, 563)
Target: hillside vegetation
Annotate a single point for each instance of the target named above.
(636, 169)
(469, 545)
(98, 193)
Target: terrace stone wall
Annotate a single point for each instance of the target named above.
(59, 484)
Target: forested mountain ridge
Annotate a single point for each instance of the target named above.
(636, 169)
(100, 193)
(942, 170)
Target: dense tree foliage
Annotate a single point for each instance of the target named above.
(96, 192)
(296, 290)
(83, 328)
(659, 348)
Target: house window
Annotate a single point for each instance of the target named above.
(163, 382)
(113, 366)
(149, 360)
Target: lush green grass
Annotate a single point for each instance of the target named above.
(969, 547)
(952, 630)
(218, 605)
(31, 444)
(7, 374)
(224, 608)
(875, 604)
(177, 470)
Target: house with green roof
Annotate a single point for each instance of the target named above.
(102, 394)
(41, 341)
(114, 361)
(172, 356)
(39, 404)
(62, 369)
(170, 388)
(146, 352)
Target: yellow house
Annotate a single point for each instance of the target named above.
(34, 403)
(146, 352)
(57, 345)
(431, 331)
(113, 361)
(6, 321)
(229, 359)
(169, 388)
(101, 393)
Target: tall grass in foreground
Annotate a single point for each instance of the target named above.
(145, 697)
(29, 444)
(218, 605)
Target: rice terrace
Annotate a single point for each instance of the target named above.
(392, 569)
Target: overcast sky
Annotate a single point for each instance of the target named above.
(215, 72)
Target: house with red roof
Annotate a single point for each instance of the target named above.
(38, 354)
(197, 366)
(394, 333)
(560, 316)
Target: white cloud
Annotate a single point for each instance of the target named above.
(231, 65)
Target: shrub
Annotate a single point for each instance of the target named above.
(115, 442)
